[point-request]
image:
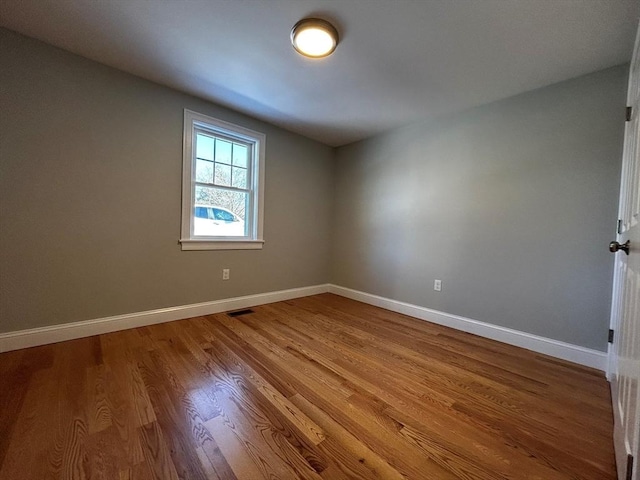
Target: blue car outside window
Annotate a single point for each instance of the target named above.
(201, 212)
(222, 215)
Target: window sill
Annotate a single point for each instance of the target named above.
(191, 244)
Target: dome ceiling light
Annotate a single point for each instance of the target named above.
(314, 37)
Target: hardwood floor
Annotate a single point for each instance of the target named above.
(317, 387)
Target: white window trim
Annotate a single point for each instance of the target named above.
(255, 239)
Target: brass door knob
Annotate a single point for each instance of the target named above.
(615, 246)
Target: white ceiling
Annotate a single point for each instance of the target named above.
(398, 61)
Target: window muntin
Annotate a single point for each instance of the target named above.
(222, 185)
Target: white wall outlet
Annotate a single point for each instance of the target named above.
(437, 285)
(225, 274)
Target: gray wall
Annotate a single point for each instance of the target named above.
(90, 179)
(511, 205)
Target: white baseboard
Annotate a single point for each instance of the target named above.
(69, 331)
(566, 351)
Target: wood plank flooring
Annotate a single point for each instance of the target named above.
(319, 387)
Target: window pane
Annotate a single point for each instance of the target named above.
(223, 174)
(204, 146)
(204, 171)
(240, 153)
(239, 178)
(225, 215)
(223, 151)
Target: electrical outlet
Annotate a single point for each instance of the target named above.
(225, 274)
(437, 285)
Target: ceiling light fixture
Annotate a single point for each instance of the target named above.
(313, 37)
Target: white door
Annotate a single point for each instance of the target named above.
(624, 352)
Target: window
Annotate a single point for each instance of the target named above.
(222, 185)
